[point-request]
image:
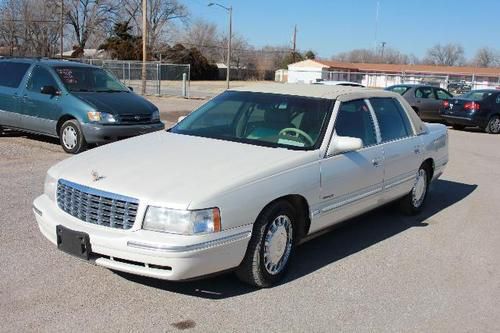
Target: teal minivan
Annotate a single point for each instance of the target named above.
(77, 103)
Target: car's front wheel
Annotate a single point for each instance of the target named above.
(493, 126)
(413, 202)
(71, 137)
(271, 246)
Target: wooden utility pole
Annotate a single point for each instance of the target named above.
(62, 28)
(294, 43)
(144, 43)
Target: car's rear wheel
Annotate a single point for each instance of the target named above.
(493, 126)
(458, 127)
(271, 246)
(413, 202)
(71, 137)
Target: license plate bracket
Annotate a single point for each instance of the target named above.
(73, 242)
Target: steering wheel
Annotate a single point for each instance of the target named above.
(298, 133)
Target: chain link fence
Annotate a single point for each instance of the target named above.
(162, 79)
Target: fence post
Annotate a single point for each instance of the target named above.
(158, 79)
(184, 81)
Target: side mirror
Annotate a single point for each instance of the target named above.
(344, 144)
(130, 88)
(181, 118)
(50, 90)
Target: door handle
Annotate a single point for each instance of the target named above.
(376, 162)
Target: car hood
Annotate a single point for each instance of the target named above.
(116, 102)
(172, 170)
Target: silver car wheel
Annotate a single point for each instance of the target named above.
(69, 137)
(495, 125)
(278, 244)
(419, 189)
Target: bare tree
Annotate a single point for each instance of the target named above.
(204, 36)
(486, 57)
(445, 55)
(87, 17)
(29, 27)
(160, 13)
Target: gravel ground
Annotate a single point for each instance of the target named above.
(380, 272)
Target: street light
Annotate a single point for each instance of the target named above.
(230, 12)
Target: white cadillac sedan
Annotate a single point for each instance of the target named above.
(241, 181)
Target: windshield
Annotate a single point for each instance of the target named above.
(477, 95)
(88, 79)
(399, 89)
(262, 119)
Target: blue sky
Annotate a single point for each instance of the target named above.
(332, 26)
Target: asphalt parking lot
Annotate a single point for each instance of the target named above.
(381, 272)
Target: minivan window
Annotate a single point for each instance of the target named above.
(40, 77)
(354, 120)
(12, 73)
(88, 79)
(393, 121)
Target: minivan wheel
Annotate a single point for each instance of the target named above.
(71, 137)
(413, 202)
(493, 126)
(271, 246)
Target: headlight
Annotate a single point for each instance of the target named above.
(155, 116)
(101, 117)
(184, 222)
(49, 187)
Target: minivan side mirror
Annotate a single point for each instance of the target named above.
(50, 90)
(130, 88)
(344, 144)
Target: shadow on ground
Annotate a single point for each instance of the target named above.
(348, 238)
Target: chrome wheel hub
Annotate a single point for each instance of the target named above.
(278, 244)
(495, 125)
(69, 137)
(419, 189)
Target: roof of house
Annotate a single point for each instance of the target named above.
(399, 68)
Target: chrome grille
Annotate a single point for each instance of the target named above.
(135, 118)
(95, 206)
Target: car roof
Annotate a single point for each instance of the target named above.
(333, 83)
(47, 61)
(412, 85)
(344, 93)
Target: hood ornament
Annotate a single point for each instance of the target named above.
(95, 176)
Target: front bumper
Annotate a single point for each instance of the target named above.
(153, 254)
(98, 133)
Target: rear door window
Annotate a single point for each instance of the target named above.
(442, 94)
(392, 119)
(40, 77)
(12, 73)
(424, 92)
